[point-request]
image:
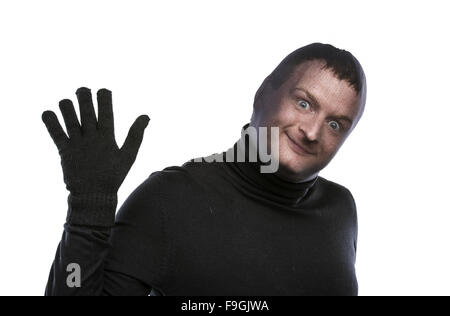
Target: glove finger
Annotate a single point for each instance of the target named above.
(70, 118)
(54, 128)
(87, 112)
(105, 111)
(134, 138)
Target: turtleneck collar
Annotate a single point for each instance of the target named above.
(267, 186)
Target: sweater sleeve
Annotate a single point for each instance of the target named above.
(126, 259)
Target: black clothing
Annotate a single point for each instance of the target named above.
(94, 167)
(217, 228)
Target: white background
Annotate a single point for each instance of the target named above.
(193, 67)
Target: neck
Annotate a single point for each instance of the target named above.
(268, 186)
(286, 175)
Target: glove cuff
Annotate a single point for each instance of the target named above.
(92, 209)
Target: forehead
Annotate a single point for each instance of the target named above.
(333, 94)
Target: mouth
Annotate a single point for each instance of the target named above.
(297, 148)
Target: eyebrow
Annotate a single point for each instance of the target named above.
(313, 98)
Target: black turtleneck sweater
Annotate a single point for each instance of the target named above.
(217, 228)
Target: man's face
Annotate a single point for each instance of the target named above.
(315, 112)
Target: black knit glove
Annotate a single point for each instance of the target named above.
(93, 165)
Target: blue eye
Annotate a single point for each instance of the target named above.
(334, 125)
(303, 104)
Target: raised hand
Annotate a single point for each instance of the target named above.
(93, 165)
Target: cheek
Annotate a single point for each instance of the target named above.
(284, 115)
(329, 147)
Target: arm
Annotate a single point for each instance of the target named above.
(94, 168)
(104, 254)
(94, 279)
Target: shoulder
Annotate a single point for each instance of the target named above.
(173, 178)
(336, 191)
(160, 190)
(342, 199)
(187, 173)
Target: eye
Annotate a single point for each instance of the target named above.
(303, 104)
(334, 125)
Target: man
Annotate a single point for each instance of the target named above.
(221, 226)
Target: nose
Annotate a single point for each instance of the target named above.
(311, 128)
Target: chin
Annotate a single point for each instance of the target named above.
(293, 163)
(289, 157)
(293, 175)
